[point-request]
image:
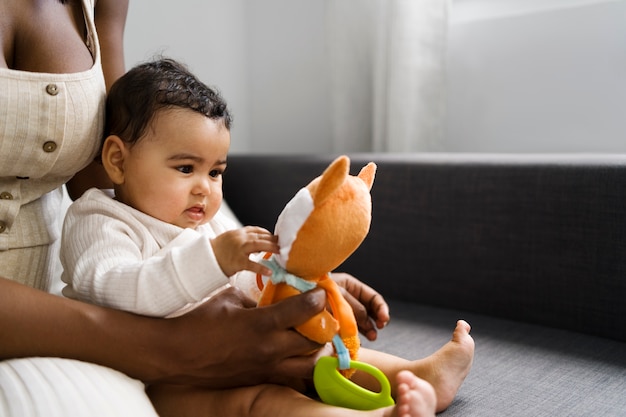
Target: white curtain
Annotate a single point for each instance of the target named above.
(387, 66)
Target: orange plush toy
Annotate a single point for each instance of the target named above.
(319, 228)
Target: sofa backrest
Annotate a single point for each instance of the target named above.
(537, 238)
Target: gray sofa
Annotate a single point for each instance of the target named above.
(529, 249)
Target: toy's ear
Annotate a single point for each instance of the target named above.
(332, 178)
(367, 174)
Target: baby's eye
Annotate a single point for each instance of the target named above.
(185, 169)
(215, 173)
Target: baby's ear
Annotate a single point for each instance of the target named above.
(114, 151)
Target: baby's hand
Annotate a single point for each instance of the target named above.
(233, 248)
(370, 308)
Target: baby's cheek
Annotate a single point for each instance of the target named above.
(212, 210)
(214, 201)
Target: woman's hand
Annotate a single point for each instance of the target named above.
(233, 248)
(370, 308)
(228, 341)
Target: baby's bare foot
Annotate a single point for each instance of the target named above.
(415, 397)
(447, 368)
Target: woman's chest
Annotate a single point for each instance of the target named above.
(44, 36)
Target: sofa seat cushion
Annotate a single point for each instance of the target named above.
(519, 369)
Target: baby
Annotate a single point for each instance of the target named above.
(162, 244)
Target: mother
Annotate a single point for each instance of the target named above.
(54, 69)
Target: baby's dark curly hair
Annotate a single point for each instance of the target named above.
(138, 95)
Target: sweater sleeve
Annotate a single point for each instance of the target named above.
(112, 259)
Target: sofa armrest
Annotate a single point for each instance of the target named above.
(537, 238)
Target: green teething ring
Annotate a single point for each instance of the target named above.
(335, 389)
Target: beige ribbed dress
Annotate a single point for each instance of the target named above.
(51, 125)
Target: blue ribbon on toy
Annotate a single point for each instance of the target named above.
(342, 353)
(281, 276)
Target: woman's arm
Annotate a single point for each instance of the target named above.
(226, 342)
(110, 19)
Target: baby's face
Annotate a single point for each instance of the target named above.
(174, 172)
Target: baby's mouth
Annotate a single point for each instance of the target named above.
(196, 212)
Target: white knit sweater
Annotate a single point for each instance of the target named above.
(119, 257)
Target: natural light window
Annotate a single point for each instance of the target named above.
(471, 10)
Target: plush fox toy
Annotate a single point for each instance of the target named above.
(318, 229)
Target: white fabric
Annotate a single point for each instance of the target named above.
(387, 62)
(54, 387)
(409, 95)
(290, 221)
(119, 257)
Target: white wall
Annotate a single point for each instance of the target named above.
(289, 76)
(210, 36)
(524, 75)
(267, 57)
